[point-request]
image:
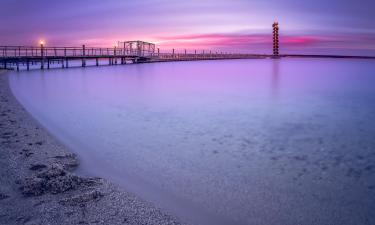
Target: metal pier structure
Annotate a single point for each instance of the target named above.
(43, 57)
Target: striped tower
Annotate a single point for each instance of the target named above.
(275, 38)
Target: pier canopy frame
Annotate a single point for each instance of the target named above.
(137, 48)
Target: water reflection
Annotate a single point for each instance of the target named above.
(221, 135)
(275, 78)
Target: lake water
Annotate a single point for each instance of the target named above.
(262, 141)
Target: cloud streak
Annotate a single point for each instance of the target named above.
(260, 43)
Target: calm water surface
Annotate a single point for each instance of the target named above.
(288, 141)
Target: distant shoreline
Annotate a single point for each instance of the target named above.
(328, 56)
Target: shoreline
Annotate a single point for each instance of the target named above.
(38, 184)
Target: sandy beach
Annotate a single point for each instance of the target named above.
(38, 184)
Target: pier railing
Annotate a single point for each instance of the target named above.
(29, 51)
(200, 56)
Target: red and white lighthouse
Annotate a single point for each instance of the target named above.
(275, 27)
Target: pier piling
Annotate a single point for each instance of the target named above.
(83, 54)
(42, 56)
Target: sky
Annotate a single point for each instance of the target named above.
(344, 27)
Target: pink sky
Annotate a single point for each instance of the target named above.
(310, 27)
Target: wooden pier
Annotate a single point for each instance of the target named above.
(41, 57)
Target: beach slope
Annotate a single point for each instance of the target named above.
(38, 184)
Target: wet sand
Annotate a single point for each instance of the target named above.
(38, 184)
